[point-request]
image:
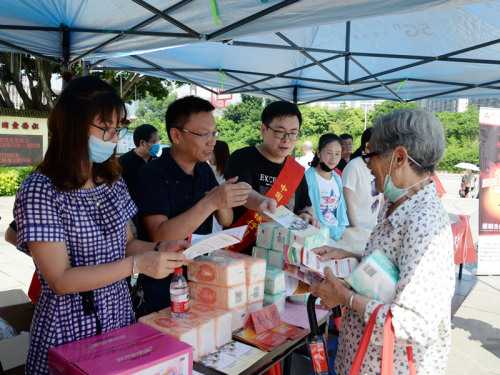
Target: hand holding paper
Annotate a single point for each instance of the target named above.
(205, 244)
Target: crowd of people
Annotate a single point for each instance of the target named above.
(76, 213)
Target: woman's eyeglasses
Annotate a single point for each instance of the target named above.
(366, 157)
(109, 133)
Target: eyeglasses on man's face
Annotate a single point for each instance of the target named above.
(366, 157)
(109, 133)
(281, 134)
(205, 136)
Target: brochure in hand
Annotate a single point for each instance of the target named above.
(206, 244)
(341, 268)
(292, 222)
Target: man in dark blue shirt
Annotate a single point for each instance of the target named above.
(177, 194)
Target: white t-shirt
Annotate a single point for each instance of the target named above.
(329, 193)
(357, 177)
(305, 160)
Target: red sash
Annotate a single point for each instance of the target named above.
(282, 191)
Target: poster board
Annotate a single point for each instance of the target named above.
(489, 193)
(23, 140)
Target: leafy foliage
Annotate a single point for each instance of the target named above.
(11, 178)
(151, 110)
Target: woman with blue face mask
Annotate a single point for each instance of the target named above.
(414, 233)
(73, 215)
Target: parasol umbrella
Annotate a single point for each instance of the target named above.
(470, 166)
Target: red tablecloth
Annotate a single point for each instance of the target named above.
(463, 244)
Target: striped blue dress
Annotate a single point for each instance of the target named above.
(93, 224)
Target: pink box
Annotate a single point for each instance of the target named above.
(135, 349)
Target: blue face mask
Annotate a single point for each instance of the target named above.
(100, 150)
(392, 193)
(154, 149)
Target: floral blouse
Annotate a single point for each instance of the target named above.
(417, 238)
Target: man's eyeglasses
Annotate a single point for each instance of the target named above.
(281, 134)
(205, 136)
(109, 133)
(366, 157)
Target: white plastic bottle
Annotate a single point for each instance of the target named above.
(179, 295)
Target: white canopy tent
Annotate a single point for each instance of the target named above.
(65, 31)
(448, 52)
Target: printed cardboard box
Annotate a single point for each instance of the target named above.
(17, 309)
(135, 349)
(216, 270)
(224, 298)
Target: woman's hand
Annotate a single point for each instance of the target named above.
(332, 291)
(267, 205)
(327, 253)
(159, 265)
(173, 246)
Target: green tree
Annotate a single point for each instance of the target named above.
(389, 107)
(151, 110)
(40, 94)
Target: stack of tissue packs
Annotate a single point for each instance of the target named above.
(375, 277)
(271, 237)
(176, 328)
(230, 281)
(218, 271)
(275, 288)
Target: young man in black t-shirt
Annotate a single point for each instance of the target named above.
(260, 165)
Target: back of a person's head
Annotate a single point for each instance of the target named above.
(307, 146)
(280, 109)
(221, 152)
(84, 100)
(143, 133)
(365, 137)
(178, 112)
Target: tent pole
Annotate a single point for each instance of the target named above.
(136, 27)
(24, 50)
(295, 89)
(311, 58)
(348, 50)
(457, 90)
(430, 59)
(257, 88)
(282, 74)
(167, 18)
(65, 44)
(381, 83)
(251, 18)
(174, 74)
(277, 46)
(85, 71)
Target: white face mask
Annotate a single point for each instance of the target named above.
(393, 193)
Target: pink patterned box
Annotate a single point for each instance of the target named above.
(135, 349)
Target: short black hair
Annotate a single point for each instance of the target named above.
(367, 134)
(345, 136)
(143, 133)
(280, 109)
(179, 111)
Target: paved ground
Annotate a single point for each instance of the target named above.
(476, 322)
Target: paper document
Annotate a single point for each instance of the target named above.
(292, 222)
(232, 358)
(215, 241)
(341, 268)
(296, 315)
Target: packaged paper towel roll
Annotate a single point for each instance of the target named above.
(265, 234)
(239, 317)
(223, 332)
(223, 297)
(275, 281)
(205, 326)
(259, 305)
(276, 299)
(255, 291)
(259, 252)
(275, 258)
(216, 270)
(175, 328)
(255, 268)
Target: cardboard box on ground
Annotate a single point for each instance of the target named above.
(17, 309)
